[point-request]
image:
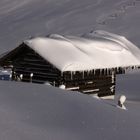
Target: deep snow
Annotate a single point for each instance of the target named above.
(29, 111)
(21, 19)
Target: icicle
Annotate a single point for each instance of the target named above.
(100, 71)
(94, 72)
(83, 75)
(54, 83)
(118, 69)
(107, 71)
(61, 73)
(88, 72)
(71, 76)
(91, 71)
(113, 77)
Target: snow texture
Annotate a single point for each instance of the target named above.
(97, 50)
(33, 112)
(21, 19)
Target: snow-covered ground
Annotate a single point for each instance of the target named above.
(21, 19)
(31, 111)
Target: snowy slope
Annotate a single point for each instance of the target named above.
(128, 84)
(21, 19)
(33, 112)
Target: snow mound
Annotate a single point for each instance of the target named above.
(95, 50)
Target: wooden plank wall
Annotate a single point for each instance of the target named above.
(91, 83)
(31, 62)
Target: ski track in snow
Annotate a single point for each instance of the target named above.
(33, 18)
(120, 10)
(7, 6)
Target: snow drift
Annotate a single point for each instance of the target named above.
(40, 112)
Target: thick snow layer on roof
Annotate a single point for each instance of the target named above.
(95, 50)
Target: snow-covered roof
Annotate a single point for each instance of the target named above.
(97, 50)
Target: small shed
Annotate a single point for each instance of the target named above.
(88, 64)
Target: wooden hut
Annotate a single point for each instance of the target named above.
(87, 64)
